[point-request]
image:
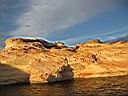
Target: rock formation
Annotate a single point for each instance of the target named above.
(39, 61)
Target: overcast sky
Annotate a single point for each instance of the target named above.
(70, 21)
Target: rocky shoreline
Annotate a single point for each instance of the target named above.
(38, 61)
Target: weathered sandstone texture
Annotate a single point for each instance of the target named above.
(38, 61)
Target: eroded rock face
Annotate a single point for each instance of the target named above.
(63, 73)
(38, 61)
(13, 42)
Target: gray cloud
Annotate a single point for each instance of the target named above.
(48, 16)
(10, 12)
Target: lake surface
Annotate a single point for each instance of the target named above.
(110, 86)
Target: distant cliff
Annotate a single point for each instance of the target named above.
(38, 61)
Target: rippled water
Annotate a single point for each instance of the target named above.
(111, 86)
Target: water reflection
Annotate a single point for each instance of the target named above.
(80, 87)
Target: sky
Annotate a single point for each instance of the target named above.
(70, 21)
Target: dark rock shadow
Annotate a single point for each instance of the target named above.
(11, 75)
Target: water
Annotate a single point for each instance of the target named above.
(110, 86)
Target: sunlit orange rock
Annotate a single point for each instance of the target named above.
(39, 61)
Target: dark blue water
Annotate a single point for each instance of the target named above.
(110, 86)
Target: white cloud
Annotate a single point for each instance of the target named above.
(47, 16)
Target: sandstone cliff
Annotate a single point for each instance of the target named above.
(38, 61)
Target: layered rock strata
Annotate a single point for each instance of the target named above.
(38, 61)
